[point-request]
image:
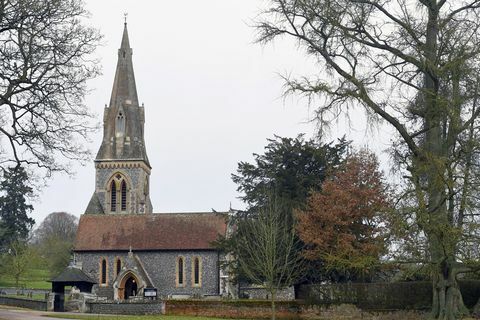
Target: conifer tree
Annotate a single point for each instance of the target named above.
(14, 208)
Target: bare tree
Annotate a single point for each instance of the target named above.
(45, 61)
(414, 65)
(267, 250)
(55, 239)
(59, 225)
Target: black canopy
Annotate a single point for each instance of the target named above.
(72, 276)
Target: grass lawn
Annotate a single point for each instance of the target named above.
(36, 296)
(33, 279)
(96, 317)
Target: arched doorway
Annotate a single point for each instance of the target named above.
(128, 286)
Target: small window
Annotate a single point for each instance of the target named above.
(120, 125)
(197, 272)
(113, 198)
(124, 196)
(180, 269)
(103, 272)
(118, 266)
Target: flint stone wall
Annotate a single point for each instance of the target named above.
(24, 303)
(161, 267)
(127, 308)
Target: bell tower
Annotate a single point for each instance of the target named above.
(122, 167)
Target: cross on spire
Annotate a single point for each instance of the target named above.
(125, 15)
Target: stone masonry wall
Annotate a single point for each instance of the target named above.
(160, 266)
(127, 308)
(24, 303)
(260, 293)
(137, 179)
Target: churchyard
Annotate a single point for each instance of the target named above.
(380, 226)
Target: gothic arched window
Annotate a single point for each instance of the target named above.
(197, 272)
(118, 266)
(103, 272)
(118, 193)
(113, 198)
(124, 196)
(180, 272)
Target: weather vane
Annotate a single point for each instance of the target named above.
(125, 15)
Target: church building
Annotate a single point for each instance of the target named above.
(121, 243)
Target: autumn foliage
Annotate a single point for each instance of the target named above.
(342, 225)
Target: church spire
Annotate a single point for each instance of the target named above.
(124, 118)
(124, 88)
(123, 169)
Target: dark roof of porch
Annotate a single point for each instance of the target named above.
(71, 275)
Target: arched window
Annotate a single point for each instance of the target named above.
(120, 125)
(180, 272)
(113, 199)
(124, 196)
(118, 266)
(118, 193)
(103, 272)
(197, 272)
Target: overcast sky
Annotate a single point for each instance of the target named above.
(212, 98)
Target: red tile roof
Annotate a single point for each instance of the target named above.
(161, 231)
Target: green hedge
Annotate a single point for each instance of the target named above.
(415, 295)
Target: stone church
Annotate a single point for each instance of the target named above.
(121, 244)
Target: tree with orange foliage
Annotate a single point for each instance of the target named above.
(342, 225)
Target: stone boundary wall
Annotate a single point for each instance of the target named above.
(126, 308)
(24, 303)
(257, 293)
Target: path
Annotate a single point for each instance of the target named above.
(22, 314)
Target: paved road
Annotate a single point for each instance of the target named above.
(7, 314)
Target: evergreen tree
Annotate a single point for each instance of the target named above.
(291, 168)
(14, 221)
(288, 171)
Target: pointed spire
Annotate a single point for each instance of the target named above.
(125, 43)
(124, 89)
(124, 118)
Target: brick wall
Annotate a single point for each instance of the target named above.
(243, 309)
(24, 303)
(251, 309)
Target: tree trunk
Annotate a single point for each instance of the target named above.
(447, 301)
(273, 296)
(447, 298)
(476, 309)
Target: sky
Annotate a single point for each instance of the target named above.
(212, 98)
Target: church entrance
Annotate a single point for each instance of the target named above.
(128, 286)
